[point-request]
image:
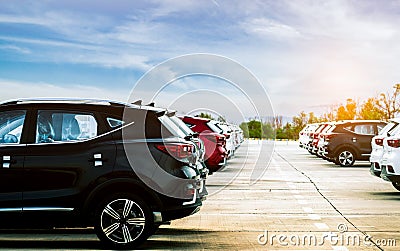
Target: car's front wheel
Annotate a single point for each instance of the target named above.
(345, 157)
(123, 221)
(396, 185)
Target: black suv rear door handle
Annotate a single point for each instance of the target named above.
(7, 161)
(98, 159)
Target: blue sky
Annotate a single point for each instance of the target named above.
(307, 54)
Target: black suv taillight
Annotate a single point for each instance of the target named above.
(379, 141)
(395, 143)
(177, 150)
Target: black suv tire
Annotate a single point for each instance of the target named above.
(123, 221)
(345, 157)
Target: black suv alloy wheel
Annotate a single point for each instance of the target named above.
(123, 221)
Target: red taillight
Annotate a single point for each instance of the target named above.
(395, 143)
(379, 142)
(316, 135)
(178, 150)
(227, 136)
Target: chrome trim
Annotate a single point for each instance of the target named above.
(17, 209)
(157, 217)
(55, 209)
(193, 200)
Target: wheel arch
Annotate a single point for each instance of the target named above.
(120, 185)
(350, 147)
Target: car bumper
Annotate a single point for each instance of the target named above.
(181, 212)
(374, 170)
(391, 177)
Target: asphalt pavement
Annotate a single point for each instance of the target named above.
(267, 198)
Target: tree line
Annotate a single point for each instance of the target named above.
(384, 106)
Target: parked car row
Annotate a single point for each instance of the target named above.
(341, 142)
(220, 139)
(385, 156)
(123, 169)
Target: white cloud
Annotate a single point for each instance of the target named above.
(17, 89)
(15, 48)
(267, 27)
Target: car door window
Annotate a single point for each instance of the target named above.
(364, 129)
(60, 126)
(11, 124)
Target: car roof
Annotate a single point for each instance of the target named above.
(396, 120)
(82, 101)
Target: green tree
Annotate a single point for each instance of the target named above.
(371, 110)
(268, 131)
(255, 129)
(205, 115)
(245, 129)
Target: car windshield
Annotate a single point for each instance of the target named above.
(394, 130)
(171, 126)
(181, 125)
(331, 129)
(224, 127)
(214, 127)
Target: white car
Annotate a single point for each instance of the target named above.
(321, 140)
(230, 138)
(390, 163)
(304, 135)
(390, 129)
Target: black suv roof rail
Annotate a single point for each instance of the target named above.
(84, 101)
(63, 100)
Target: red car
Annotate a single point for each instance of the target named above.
(214, 143)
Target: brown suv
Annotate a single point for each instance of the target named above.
(350, 141)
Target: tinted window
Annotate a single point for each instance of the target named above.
(113, 122)
(11, 124)
(58, 126)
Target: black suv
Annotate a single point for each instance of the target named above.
(120, 168)
(350, 140)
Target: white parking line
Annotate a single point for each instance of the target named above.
(294, 191)
(314, 216)
(321, 226)
(340, 248)
(308, 210)
(299, 197)
(302, 202)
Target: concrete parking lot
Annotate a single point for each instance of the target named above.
(299, 203)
